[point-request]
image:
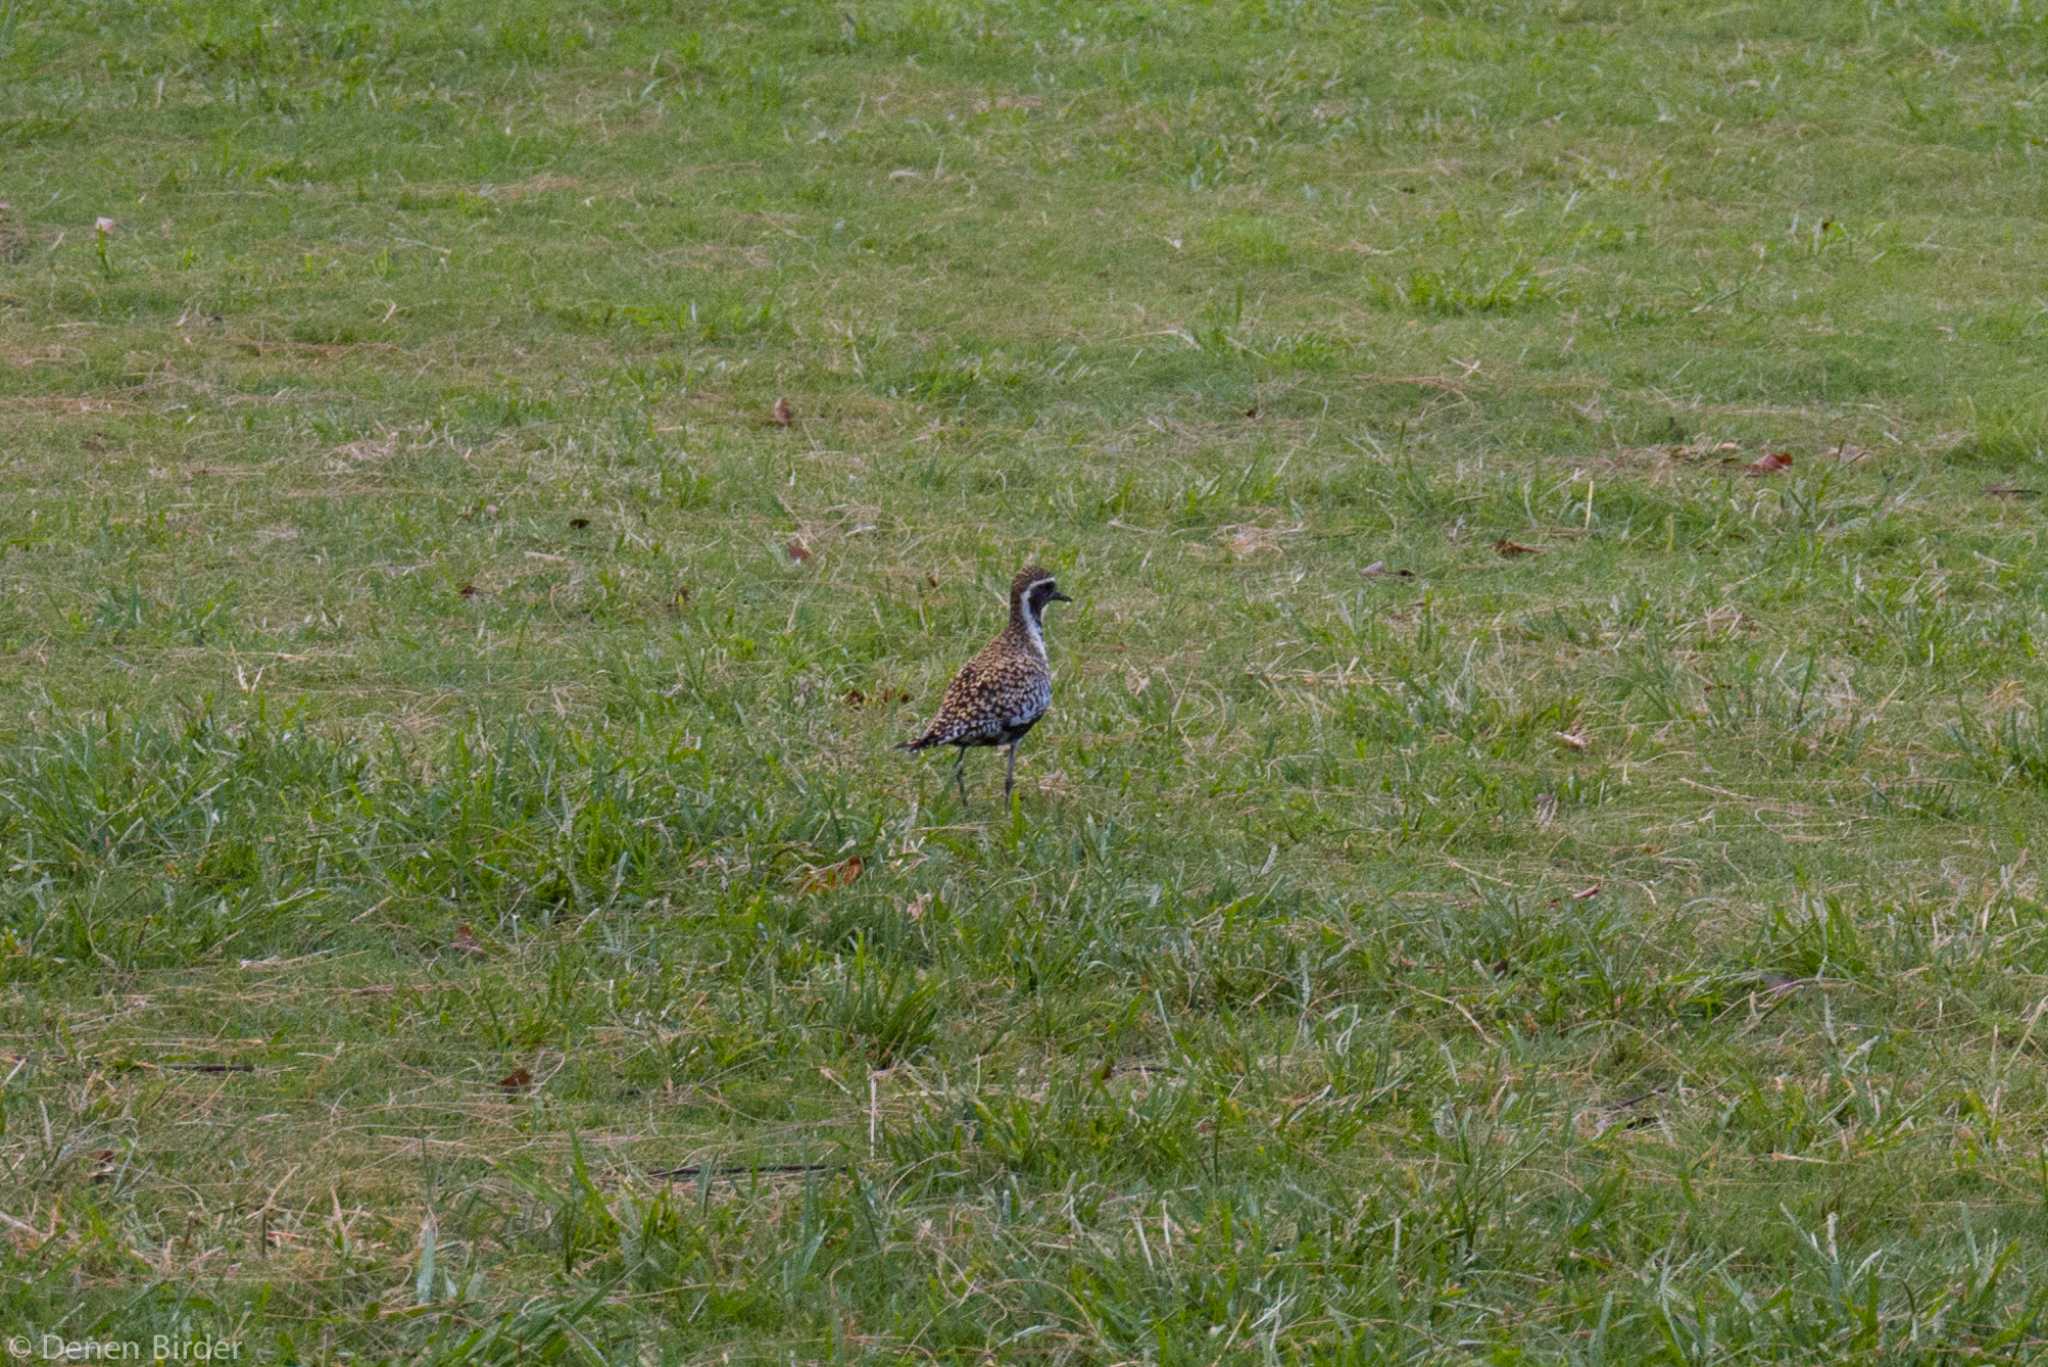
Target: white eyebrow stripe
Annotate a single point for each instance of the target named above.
(1036, 584)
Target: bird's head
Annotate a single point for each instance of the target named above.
(1032, 589)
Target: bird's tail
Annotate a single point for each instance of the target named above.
(932, 735)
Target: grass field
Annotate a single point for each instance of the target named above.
(1531, 857)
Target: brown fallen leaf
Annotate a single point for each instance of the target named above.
(1583, 894)
(1768, 464)
(2010, 491)
(782, 414)
(467, 591)
(518, 1080)
(881, 697)
(798, 551)
(1252, 412)
(465, 940)
(832, 876)
(1513, 548)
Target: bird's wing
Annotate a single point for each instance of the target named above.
(964, 683)
(998, 687)
(945, 723)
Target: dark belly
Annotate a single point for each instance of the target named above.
(1005, 735)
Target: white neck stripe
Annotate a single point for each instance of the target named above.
(1032, 630)
(1024, 609)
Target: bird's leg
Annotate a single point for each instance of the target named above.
(1010, 774)
(960, 773)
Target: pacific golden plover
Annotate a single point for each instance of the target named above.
(1002, 692)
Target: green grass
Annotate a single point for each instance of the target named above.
(427, 776)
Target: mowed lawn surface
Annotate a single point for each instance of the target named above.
(1531, 856)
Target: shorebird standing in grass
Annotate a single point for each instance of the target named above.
(1002, 692)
